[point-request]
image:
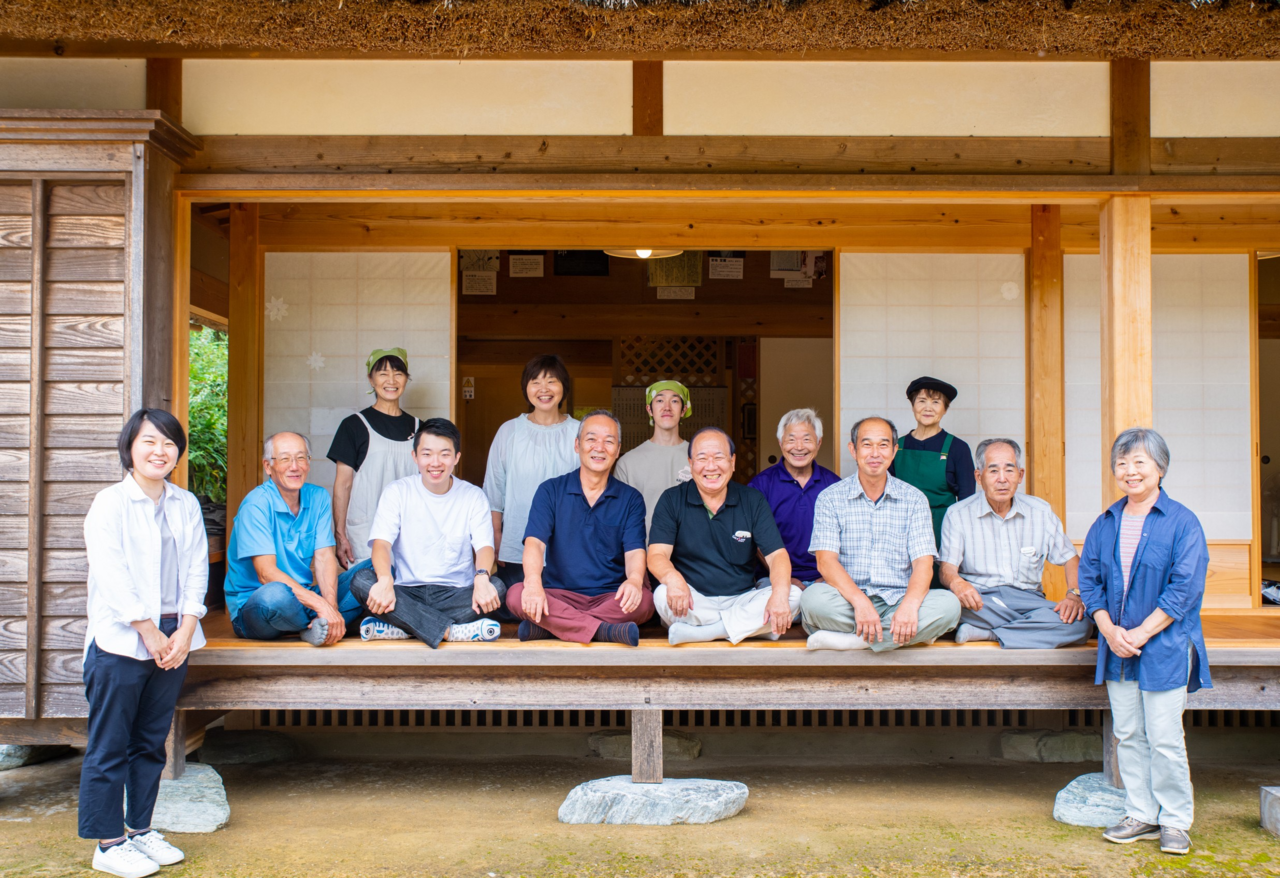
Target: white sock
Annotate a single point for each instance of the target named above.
(316, 632)
(967, 633)
(836, 640)
(683, 632)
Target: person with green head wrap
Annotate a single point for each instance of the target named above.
(663, 461)
(371, 448)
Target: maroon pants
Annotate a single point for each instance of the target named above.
(575, 617)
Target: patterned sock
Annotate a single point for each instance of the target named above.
(529, 631)
(107, 845)
(618, 632)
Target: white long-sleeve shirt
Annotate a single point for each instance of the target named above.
(523, 456)
(122, 541)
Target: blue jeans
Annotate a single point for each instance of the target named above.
(273, 609)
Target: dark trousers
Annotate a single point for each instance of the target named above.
(425, 611)
(131, 704)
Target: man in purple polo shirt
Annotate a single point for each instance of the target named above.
(793, 486)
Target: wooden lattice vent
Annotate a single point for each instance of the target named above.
(694, 360)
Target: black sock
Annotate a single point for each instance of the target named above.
(531, 631)
(618, 632)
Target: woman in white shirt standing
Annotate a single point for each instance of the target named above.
(526, 451)
(148, 570)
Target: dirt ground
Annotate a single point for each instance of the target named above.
(499, 819)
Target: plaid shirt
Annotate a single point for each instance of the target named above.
(876, 541)
(992, 551)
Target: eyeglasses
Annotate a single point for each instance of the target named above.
(290, 461)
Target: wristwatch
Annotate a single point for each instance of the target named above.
(1074, 591)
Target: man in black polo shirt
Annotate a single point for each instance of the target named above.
(702, 549)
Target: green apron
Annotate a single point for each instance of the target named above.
(927, 470)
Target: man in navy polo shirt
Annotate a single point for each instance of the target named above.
(703, 545)
(584, 549)
(793, 485)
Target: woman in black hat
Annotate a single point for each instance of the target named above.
(930, 458)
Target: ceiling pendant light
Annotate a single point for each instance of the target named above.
(641, 253)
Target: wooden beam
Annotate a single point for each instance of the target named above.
(604, 321)
(164, 87)
(244, 358)
(1126, 324)
(1130, 116)
(181, 346)
(1046, 379)
(646, 746)
(210, 294)
(36, 446)
(1255, 440)
(646, 98)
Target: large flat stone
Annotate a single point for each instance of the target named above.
(248, 747)
(677, 746)
(686, 800)
(1089, 801)
(1271, 810)
(195, 802)
(1042, 745)
(18, 755)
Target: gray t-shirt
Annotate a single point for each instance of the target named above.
(651, 469)
(168, 564)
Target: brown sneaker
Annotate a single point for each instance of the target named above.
(1174, 841)
(1129, 830)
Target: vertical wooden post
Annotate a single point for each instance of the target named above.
(1130, 116)
(1110, 762)
(646, 98)
(1125, 226)
(1046, 407)
(244, 358)
(164, 87)
(182, 329)
(646, 746)
(1255, 441)
(35, 450)
(175, 747)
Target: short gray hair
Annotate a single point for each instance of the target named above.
(1145, 439)
(980, 455)
(853, 434)
(269, 447)
(600, 413)
(800, 416)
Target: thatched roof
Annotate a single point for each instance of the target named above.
(480, 28)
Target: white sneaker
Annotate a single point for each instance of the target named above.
(154, 846)
(836, 640)
(376, 629)
(483, 630)
(124, 860)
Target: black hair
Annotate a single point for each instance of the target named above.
(442, 427)
(733, 449)
(390, 360)
(548, 363)
(169, 427)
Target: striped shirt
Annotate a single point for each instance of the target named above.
(876, 541)
(1130, 536)
(992, 551)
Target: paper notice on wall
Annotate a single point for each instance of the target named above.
(480, 283)
(726, 268)
(527, 264)
(477, 260)
(469, 388)
(676, 292)
(797, 283)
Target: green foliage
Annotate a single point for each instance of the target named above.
(207, 434)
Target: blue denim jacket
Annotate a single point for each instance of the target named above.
(1168, 572)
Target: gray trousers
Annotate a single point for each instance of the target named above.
(425, 611)
(1022, 619)
(822, 608)
(1152, 754)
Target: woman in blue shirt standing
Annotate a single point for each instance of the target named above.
(1142, 576)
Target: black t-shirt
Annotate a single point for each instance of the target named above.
(351, 442)
(717, 556)
(960, 479)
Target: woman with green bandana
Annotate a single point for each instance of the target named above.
(371, 448)
(931, 459)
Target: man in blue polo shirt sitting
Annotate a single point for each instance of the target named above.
(283, 526)
(703, 545)
(792, 487)
(584, 549)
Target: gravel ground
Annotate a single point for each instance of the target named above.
(499, 819)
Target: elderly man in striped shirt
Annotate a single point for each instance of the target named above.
(994, 545)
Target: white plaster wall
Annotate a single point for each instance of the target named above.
(904, 98)
(957, 317)
(73, 83)
(1215, 98)
(1200, 378)
(342, 306)
(224, 96)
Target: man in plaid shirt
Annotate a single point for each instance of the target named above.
(873, 538)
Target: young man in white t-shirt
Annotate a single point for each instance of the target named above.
(432, 543)
(663, 461)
